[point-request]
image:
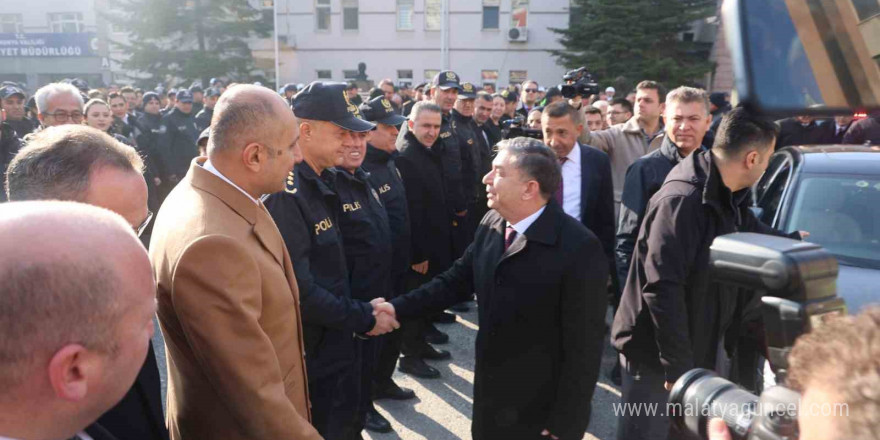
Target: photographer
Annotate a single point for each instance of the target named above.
(835, 368)
(672, 317)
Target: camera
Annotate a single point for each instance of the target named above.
(797, 283)
(579, 82)
(517, 127)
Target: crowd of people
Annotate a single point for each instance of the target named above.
(307, 240)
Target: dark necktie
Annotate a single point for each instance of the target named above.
(559, 194)
(509, 236)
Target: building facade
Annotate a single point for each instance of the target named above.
(49, 40)
(485, 41)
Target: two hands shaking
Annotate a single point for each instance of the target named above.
(386, 318)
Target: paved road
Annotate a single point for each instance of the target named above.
(442, 409)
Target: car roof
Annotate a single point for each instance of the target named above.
(838, 159)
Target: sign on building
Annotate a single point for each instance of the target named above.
(44, 45)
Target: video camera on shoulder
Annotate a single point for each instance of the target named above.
(517, 127)
(797, 282)
(579, 82)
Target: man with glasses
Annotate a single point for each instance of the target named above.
(81, 164)
(59, 104)
(528, 98)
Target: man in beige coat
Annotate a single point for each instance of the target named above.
(640, 135)
(228, 298)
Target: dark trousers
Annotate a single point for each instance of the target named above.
(642, 391)
(386, 359)
(412, 331)
(336, 402)
(369, 353)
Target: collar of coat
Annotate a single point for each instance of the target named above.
(699, 169)
(632, 126)
(376, 155)
(544, 230)
(323, 182)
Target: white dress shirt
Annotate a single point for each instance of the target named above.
(208, 166)
(523, 225)
(571, 186)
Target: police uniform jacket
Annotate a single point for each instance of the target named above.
(307, 214)
(9, 146)
(182, 134)
(541, 316)
(23, 126)
(366, 235)
(431, 226)
(153, 142)
(203, 118)
(470, 154)
(389, 184)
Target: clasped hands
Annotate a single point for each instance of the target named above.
(386, 318)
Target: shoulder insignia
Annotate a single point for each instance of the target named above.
(445, 135)
(290, 186)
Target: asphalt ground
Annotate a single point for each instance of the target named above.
(442, 407)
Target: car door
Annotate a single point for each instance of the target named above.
(771, 188)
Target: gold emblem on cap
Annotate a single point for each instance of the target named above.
(450, 76)
(468, 87)
(386, 104)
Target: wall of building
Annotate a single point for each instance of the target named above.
(385, 49)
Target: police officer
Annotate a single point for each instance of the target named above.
(418, 95)
(307, 215)
(198, 95)
(468, 134)
(203, 118)
(12, 101)
(366, 237)
(182, 133)
(153, 141)
(379, 162)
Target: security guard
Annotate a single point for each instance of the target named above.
(183, 134)
(366, 237)
(153, 142)
(381, 152)
(307, 215)
(198, 94)
(203, 117)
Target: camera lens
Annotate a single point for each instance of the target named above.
(700, 395)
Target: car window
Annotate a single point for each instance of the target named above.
(765, 180)
(841, 213)
(772, 195)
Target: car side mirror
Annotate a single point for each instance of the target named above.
(802, 57)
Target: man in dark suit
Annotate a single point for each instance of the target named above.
(586, 191)
(540, 284)
(831, 132)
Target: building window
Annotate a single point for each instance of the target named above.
(10, 23)
(350, 15)
(866, 9)
(518, 76)
(430, 74)
(433, 15)
(324, 74)
(66, 22)
(519, 13)
(349, 74)
(489, 77)
(405, 10)
(322, 15)
(491, 14)
(405, 74)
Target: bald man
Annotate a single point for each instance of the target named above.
(228, 298)
(77, 300)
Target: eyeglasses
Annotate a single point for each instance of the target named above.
(63, 116)
(143, 226)
(531, 90)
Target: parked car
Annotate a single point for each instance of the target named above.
(832, 192)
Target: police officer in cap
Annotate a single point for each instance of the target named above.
(12, 101)
(366, 237)
(379, 162)
(307, 215)
(182, 134)
(288, 91)
(198, 95)
(203, 118)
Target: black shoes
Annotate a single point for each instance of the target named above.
(443, 318)
(434, 354)
(393, 391)
(376, 423)
(417, 367)
(434, 336)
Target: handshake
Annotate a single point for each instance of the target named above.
(386, 318)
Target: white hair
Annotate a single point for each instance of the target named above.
(49, 91)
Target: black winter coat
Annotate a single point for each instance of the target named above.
(388, 182)
(672, 316)
(307, 215)
(366, 235)
(539, 345)
(448, 148)
(864, 131)
(182, 148)
(430, 222)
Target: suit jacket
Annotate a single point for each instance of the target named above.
(597, 201)
(541, 316)
(138, 415)
(229, 311)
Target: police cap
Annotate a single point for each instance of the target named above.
(10, 91)
(184, 96)
(446, 79)
(467, 91)
(381, 111)
(327, 101)
(212, 91)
